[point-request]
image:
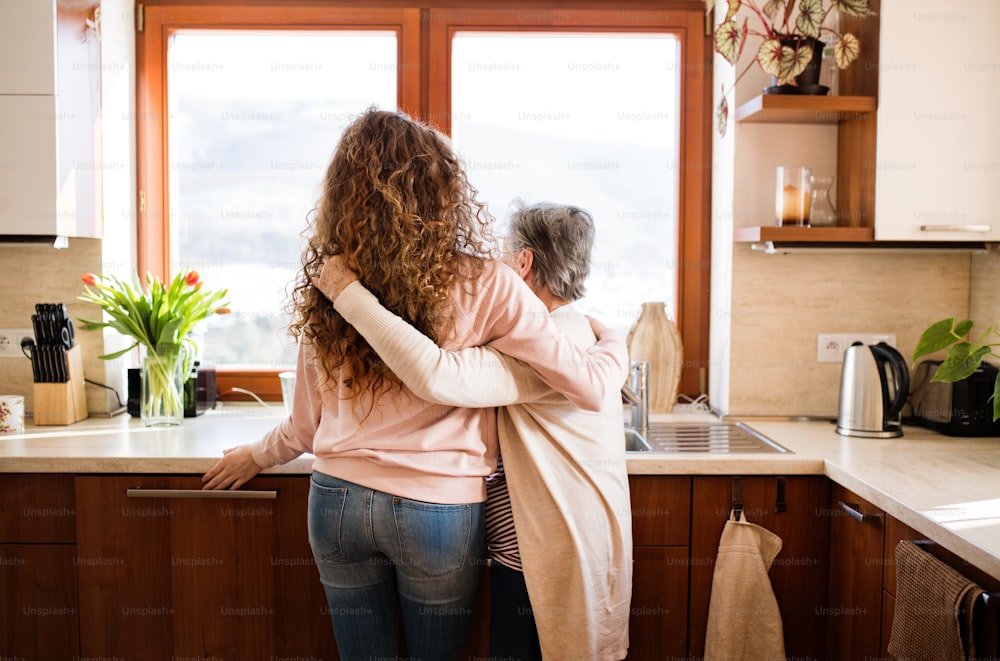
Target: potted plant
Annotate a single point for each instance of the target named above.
(159, 317)
(791, 34)
(964, 356)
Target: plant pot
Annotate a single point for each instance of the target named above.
(162, 390)
(806, 82)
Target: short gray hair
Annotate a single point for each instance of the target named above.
(561, 238)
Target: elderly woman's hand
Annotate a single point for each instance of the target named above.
(334, 277)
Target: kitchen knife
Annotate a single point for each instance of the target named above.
(29, 349)
(62, 372)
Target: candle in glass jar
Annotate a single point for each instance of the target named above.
(793, 190)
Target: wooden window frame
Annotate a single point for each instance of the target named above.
(424, 31)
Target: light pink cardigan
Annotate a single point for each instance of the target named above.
(434, 452)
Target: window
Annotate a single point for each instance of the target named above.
(633, 149)
(254, 117)
(572, 118)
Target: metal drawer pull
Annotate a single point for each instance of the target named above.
(205, 494)
(854, 511)
(956, 228)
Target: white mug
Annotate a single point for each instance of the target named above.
(11, 414)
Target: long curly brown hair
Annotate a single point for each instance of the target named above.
(397, 205)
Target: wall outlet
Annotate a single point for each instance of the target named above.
(10, 341)
(830, 347)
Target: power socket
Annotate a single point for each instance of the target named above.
(10, 341)
(830, 347)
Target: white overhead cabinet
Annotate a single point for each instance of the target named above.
(50, 167)
(938, 145)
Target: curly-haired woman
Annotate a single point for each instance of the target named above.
(397, 500)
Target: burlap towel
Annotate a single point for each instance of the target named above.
(933, 618)
(743, 617)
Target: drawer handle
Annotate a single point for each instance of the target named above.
(854, 511)
(956, 228)
(205, 494)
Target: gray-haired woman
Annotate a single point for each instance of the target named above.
(567, 522)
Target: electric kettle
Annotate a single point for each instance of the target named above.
(874, 385)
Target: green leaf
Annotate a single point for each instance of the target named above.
(770, 55)
(853, 7)
(846, 50)
(722, 115)
(729, 40)
(773, 7)
(996, 399)
(937, 336)
(963, 359)
(810, 18)
(116, 354)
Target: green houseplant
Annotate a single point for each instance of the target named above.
(964, 356)
(787, 30)
(158, 318)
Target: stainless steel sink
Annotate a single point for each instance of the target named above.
(705, 438)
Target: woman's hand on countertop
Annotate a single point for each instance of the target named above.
(233, 470)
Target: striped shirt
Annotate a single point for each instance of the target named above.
(501, 538)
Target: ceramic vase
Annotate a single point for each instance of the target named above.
(162, 389)
(655, 338)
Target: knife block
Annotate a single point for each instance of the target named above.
(62, 403)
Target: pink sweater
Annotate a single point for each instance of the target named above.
(433, 452)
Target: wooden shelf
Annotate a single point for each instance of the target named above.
(805, 234)
(804, 109)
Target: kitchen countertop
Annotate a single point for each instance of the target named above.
(947, 488)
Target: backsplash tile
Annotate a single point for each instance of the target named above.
(781, 302)
(42, 274)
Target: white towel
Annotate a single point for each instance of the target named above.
(743, 617)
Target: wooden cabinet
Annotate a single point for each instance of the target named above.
(854, 610)
(38, 565)
(49, 110)
(938, 138)
(794, 508)
(661, 525)
(175, 572)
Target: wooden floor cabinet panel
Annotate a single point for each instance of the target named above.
(794, 508)
(857, 544)
(40, 607)
(189, 577)
(38, 584)
(661, 533)
(658, 620)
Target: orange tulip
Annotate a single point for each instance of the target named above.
(222, 310)
(89, 279)
(192, 278)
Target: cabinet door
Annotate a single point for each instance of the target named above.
(228, 578)
(658, 622)
(28, 191)
(661, 533)
(39, 616)
(794, 509)
(938, 138)
(28, 47)
(854, 608)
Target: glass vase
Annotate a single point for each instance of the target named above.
(162, 390)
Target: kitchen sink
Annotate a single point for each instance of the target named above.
(705, 438)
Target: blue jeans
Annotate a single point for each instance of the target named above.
(378, 553)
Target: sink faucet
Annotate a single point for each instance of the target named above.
(636, 393)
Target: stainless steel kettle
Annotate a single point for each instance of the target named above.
(874, 385)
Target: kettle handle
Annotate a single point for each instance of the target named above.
(886, 354)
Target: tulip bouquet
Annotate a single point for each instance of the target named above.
(160, 318)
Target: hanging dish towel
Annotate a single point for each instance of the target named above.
(934, 608)
(743, 617)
